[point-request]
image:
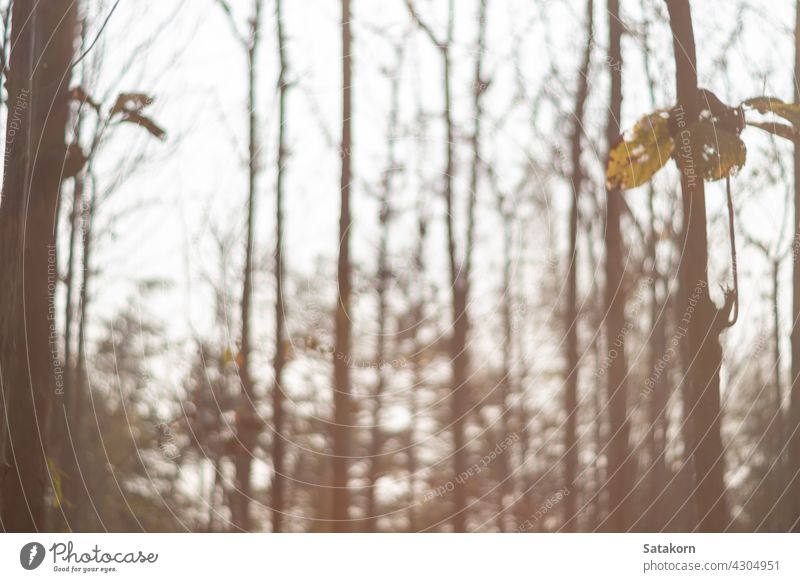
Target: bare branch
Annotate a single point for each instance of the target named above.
(423, 25)
(97, 36)
(226, 8)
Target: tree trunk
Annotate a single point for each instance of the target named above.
(248, 423)
(278, 396)
(571, 311)
(778, 471)
(418, 314)
(79, 431)
(793, 498)
(383, 276)
(619, 473)
(43, 36)
(459, 284)
(658, 389)
(342, 402)
(64, 408)
(512, 416)
(705, 321)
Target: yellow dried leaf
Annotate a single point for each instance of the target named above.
(709, 151)
(640, 153)
(789, 111)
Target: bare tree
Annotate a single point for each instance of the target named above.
(278, 396)
(42, 40)
(619, 471)
(384, 274)
(459, 276)
(707, 321)
(342, 401)
(248, 422)
(794, 413)
(570, 456)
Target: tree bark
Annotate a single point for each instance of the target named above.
(701, 318)
(571, 312)
(619, 473)
(248, 423)
(459, 282)
(43, 38)
(658, 388)
(793, 498)
(777, 473)
(342, 401)
(278, 396)
(383, 276)
(417, 290)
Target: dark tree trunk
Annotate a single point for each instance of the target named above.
(43, 36)
(79, 432)
(619, 473)
(383, 276)
(459, 283)
(793, 499)
(571, 312)
(658, 391)
(342, 401)
(777, 426)
(248, 423)
(703, 321)
(278, 396)
(418, 348)
(64, 409)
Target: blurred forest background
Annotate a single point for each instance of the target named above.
(350, 265)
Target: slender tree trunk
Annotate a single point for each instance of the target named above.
(599, 404)
(418, 312)
(619, 473)
(418, 377)
(570, 456)
(384, 274)
(212, 497)
(78, 430)
(376, 436)
(43, 36)
(512, 416)
(523, 364)
(248, 423)
(793, 499)
(64, 409)
(505, 488)
(658, 387)
(342, 402)
(658, 390)
(705, 321)
(776, 355)
(778, 473)
(459, 283)
(278, 396)
(69, 311)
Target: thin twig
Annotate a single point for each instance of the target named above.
(423, 25)
(97, 36)
(234, 28)
(734, 265)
